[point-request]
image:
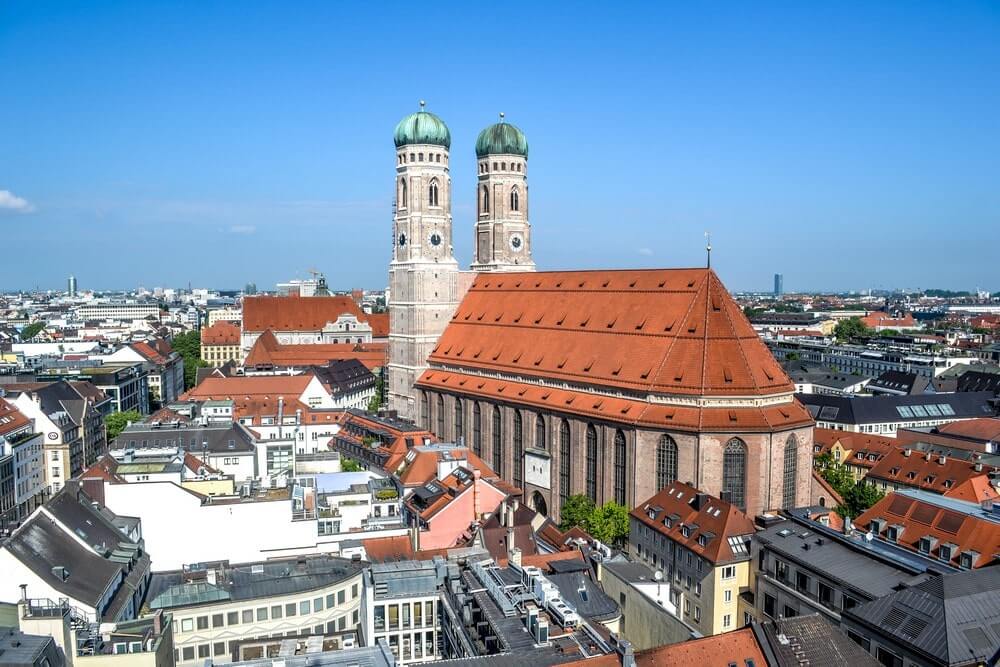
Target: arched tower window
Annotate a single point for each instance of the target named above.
(440, 417)
(486, 200)
(402, 193)
(518, 449)
(666, 462)
(459, 421)
(540, 432)
(564, 460)
(432, 193)
(620, 467)
(791, 469)
(477, 429)
(425, 408)
(497, 441)
(514, 200)
(734, 472)
(592, 462)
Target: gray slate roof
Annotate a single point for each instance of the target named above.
(955, 618)
(816, 640)
(585, 596)
(882, 409)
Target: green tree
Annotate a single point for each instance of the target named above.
(885, 333)
(116, 422)
(850, 328)
(188, 345)
(576, 511)
(32, 330)
(376, 402)
(859, 498)
(609, 523)
(793, 356)
(836, 474)
(350, 465)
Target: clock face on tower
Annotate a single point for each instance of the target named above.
(516, 242)
(435, 239)
(402, 240)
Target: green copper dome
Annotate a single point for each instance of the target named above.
(501, 139)
(422, 127)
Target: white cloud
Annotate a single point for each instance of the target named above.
(646, 251)
(242, 229)
(11, 202)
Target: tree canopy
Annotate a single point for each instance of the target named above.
(857, 496)
(575, 511)
(607, 523)
(32, 330)
(852, 327)
(350, 465)
(188, 345)
(116, 422)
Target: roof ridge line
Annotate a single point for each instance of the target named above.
(666, 353)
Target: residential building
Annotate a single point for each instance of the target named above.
(547, 378)
(701, 545)
(802, 567)
(225, 314)
(403, 607)
(947, 621)
(300, 320)
(774, 323)
(220, 343)
(810, 379)
(953, 531)
(73, 549)
(126, 383)
(268, 356)
(22, 478)
(812, 640)
(378, 442)
(143, 642)
(880, 321)
(217, 606)
(118, 311)
(277, 407)
(872, 359)
(898, 383)
(648, 618)
(887, 414)
(52, 407)
(920, 465)
(228, 447)
(858, 452)
(164, 367)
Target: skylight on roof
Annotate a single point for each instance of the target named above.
(918, 411)
(933, 410)
(904, 411)
(946, 409)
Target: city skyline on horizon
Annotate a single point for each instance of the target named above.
(809, 135)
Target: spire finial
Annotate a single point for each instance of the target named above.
(422, 105)
(501, 116)
(708, 247)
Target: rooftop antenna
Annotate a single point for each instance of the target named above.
(501, 116)
(708, 247)
(422, 104)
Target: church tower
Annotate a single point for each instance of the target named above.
(423, 275)
(503, 234)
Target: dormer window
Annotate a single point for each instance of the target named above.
(685, 531)
(877, 525)
(668, 522)
(702, 540)
(946, 551)
(967, 559)
(894, 532)
(926, 544)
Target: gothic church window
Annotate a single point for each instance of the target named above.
(666, 462)
(564, 460)
(440, 416)
(734, 472)
(497, 442)
(432, 193)
(486, 199)
(477, 429)
(791, 468)
(540, 432)
(620, 467)
(514, 200)
(518, 449)
(592, 462)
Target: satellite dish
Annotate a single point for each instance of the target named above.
(658, 575)
(869, 536)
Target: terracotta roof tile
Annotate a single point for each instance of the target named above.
(221, 333)
(295, 313)
(267, 351)
(673, 331)
(927, 470)
(11, 418)
(709, 521)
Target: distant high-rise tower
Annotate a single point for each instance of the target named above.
(779, 284)
(71, 286)
(423, 275)
(250, 289)
(503, 234)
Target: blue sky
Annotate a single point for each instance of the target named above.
(846, 146)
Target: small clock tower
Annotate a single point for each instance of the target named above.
(423, 275)
(503, 234)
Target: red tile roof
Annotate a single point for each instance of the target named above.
(216, 388)
(667, 331)
(871, 447)
(267, 351)
(221, 333)
(11, 418)
(975, 490)
(920, 518)
(295, 313)
(984, 428)
(880, 319)
(706, 518)
(929, 470)
(739, 647)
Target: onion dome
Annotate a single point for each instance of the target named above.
(422, 127)
(501, 139)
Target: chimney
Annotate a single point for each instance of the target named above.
(927, 456)
(510, 528)
(158, 623)
(978, 466)
(477, 507)
(907, 452)
(24, 592)
(942, 460)
(515, 557)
